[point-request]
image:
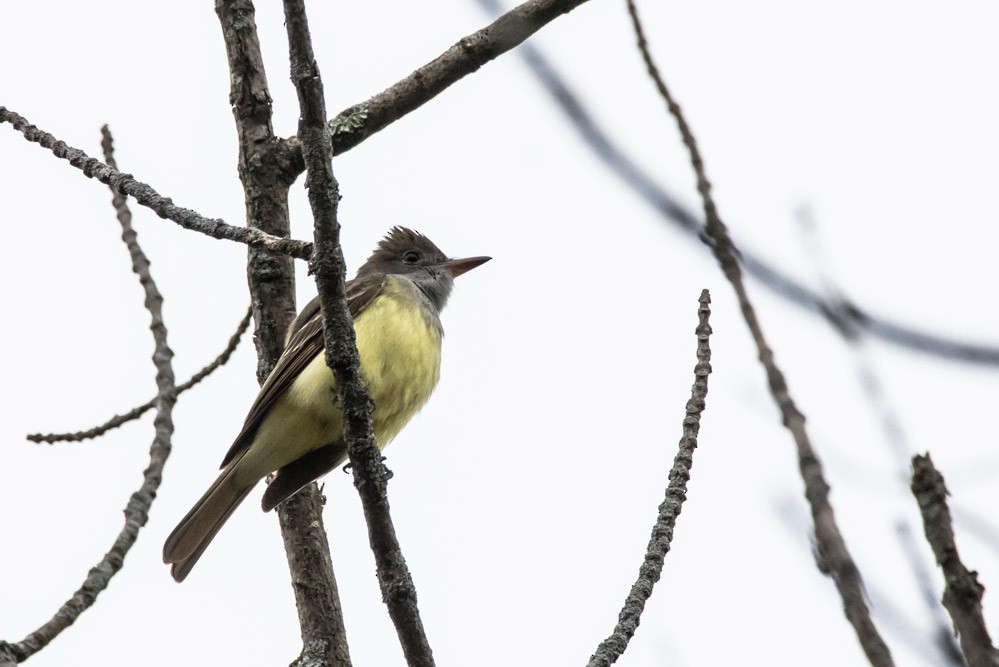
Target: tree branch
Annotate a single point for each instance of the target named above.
(356, 123)
(146, 196)
(962, 593)
(676, 493)
(265, 178)
(137, 509)
(136, 412)
(370, 479)
(833, 556)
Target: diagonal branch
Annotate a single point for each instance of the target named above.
(962, 593)
(358, 122)
(370, 479)
(144, 194)
(137, 510)
(676, 493)
(136, 412)
(833, 556)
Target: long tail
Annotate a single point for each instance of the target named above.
(196, 530)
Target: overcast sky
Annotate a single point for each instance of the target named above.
(525, 491)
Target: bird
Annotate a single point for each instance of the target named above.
(293, 428)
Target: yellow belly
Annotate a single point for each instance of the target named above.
(400, 362)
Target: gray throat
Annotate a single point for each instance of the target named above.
(435, 286)
(431, 295)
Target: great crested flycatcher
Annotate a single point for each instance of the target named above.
(293, 426)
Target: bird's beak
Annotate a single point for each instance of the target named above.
(464, 265)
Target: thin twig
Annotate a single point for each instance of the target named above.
(146, 196)
(962, 593)
(370, 479)
(137, 509)
(833, 556)
(677, 213)
(265, 178)
(136, 412)
(676, 493)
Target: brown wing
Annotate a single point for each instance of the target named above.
(305, 341)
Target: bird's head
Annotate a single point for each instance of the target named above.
(411, 254)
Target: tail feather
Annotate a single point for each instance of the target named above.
(196, 530)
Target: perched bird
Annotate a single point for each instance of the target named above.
(294, 427)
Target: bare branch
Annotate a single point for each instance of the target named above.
(317, 597)
(265, 178)
(136, 412)
(137, 510)
(370, 479)
(676, 493)
(833, 556)
(358, 122)
(962, 593)
(146, 196)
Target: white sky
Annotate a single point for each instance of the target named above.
(525, 491)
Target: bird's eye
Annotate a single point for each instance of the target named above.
(411, 257)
